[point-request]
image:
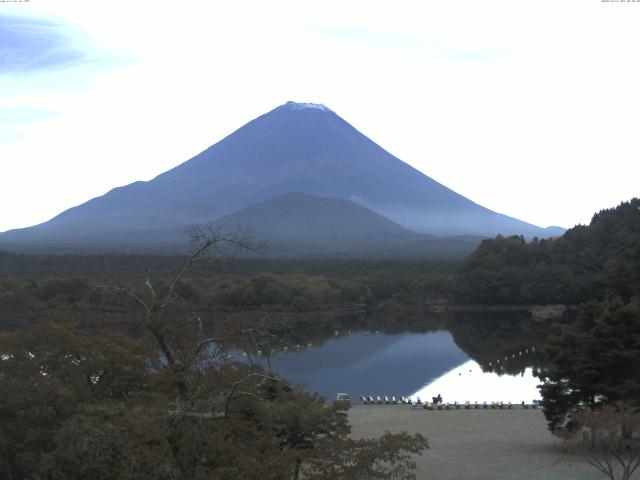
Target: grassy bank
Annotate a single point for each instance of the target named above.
(476, 444)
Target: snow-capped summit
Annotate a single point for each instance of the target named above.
(303, 106)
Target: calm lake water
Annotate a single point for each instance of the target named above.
(401, 364)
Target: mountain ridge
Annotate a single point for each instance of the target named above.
(295, 147)
(294, 225)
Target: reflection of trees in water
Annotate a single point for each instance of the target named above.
(504, 342)
(282, 332)
(501, 342)
(393, 323)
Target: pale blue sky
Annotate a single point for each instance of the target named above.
(528, 108)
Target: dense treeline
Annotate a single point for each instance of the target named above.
(594, 362)
(80, 404)
(593, 359)
(37, 286)
(586, 263)
(169, 402)
(117, 266)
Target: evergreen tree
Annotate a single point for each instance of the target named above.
(595, 362)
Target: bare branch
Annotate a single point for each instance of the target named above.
(150, 287)
(206, 342)
(169, 299)
(242, 381)
(123, 290)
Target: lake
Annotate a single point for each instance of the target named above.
(412, 364)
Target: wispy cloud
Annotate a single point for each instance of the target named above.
(46, 63)
(32, 44)
(24, 114)
(410, 44)
(14, 119)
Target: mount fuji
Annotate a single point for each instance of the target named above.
(297, 147)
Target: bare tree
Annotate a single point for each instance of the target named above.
(609, 440)
(181, 339)
(218, 396)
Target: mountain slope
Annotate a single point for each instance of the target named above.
(292, 225)
(294, 148)
(298, 224)
(299, 216)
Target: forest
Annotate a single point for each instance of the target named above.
(125, 381)
(592, 359)
(118, 367)
(586, 263)
(35, 286)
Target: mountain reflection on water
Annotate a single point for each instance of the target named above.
(468, 382)
(361, 364)
(404, 363)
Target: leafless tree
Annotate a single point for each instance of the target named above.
(609, 440)
(181, 339)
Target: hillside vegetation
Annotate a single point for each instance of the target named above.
(586, 263)
(42, 287)
(593, 360)
(169, 402)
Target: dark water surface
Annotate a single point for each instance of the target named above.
(404, 359)
(374, 363)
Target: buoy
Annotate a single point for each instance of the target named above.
(336, 333)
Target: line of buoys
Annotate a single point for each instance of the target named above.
(513, 356)
(273, 351)
(298, 347)
(337, 333)
(493, 405)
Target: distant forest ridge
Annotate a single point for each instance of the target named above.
(586, 263)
